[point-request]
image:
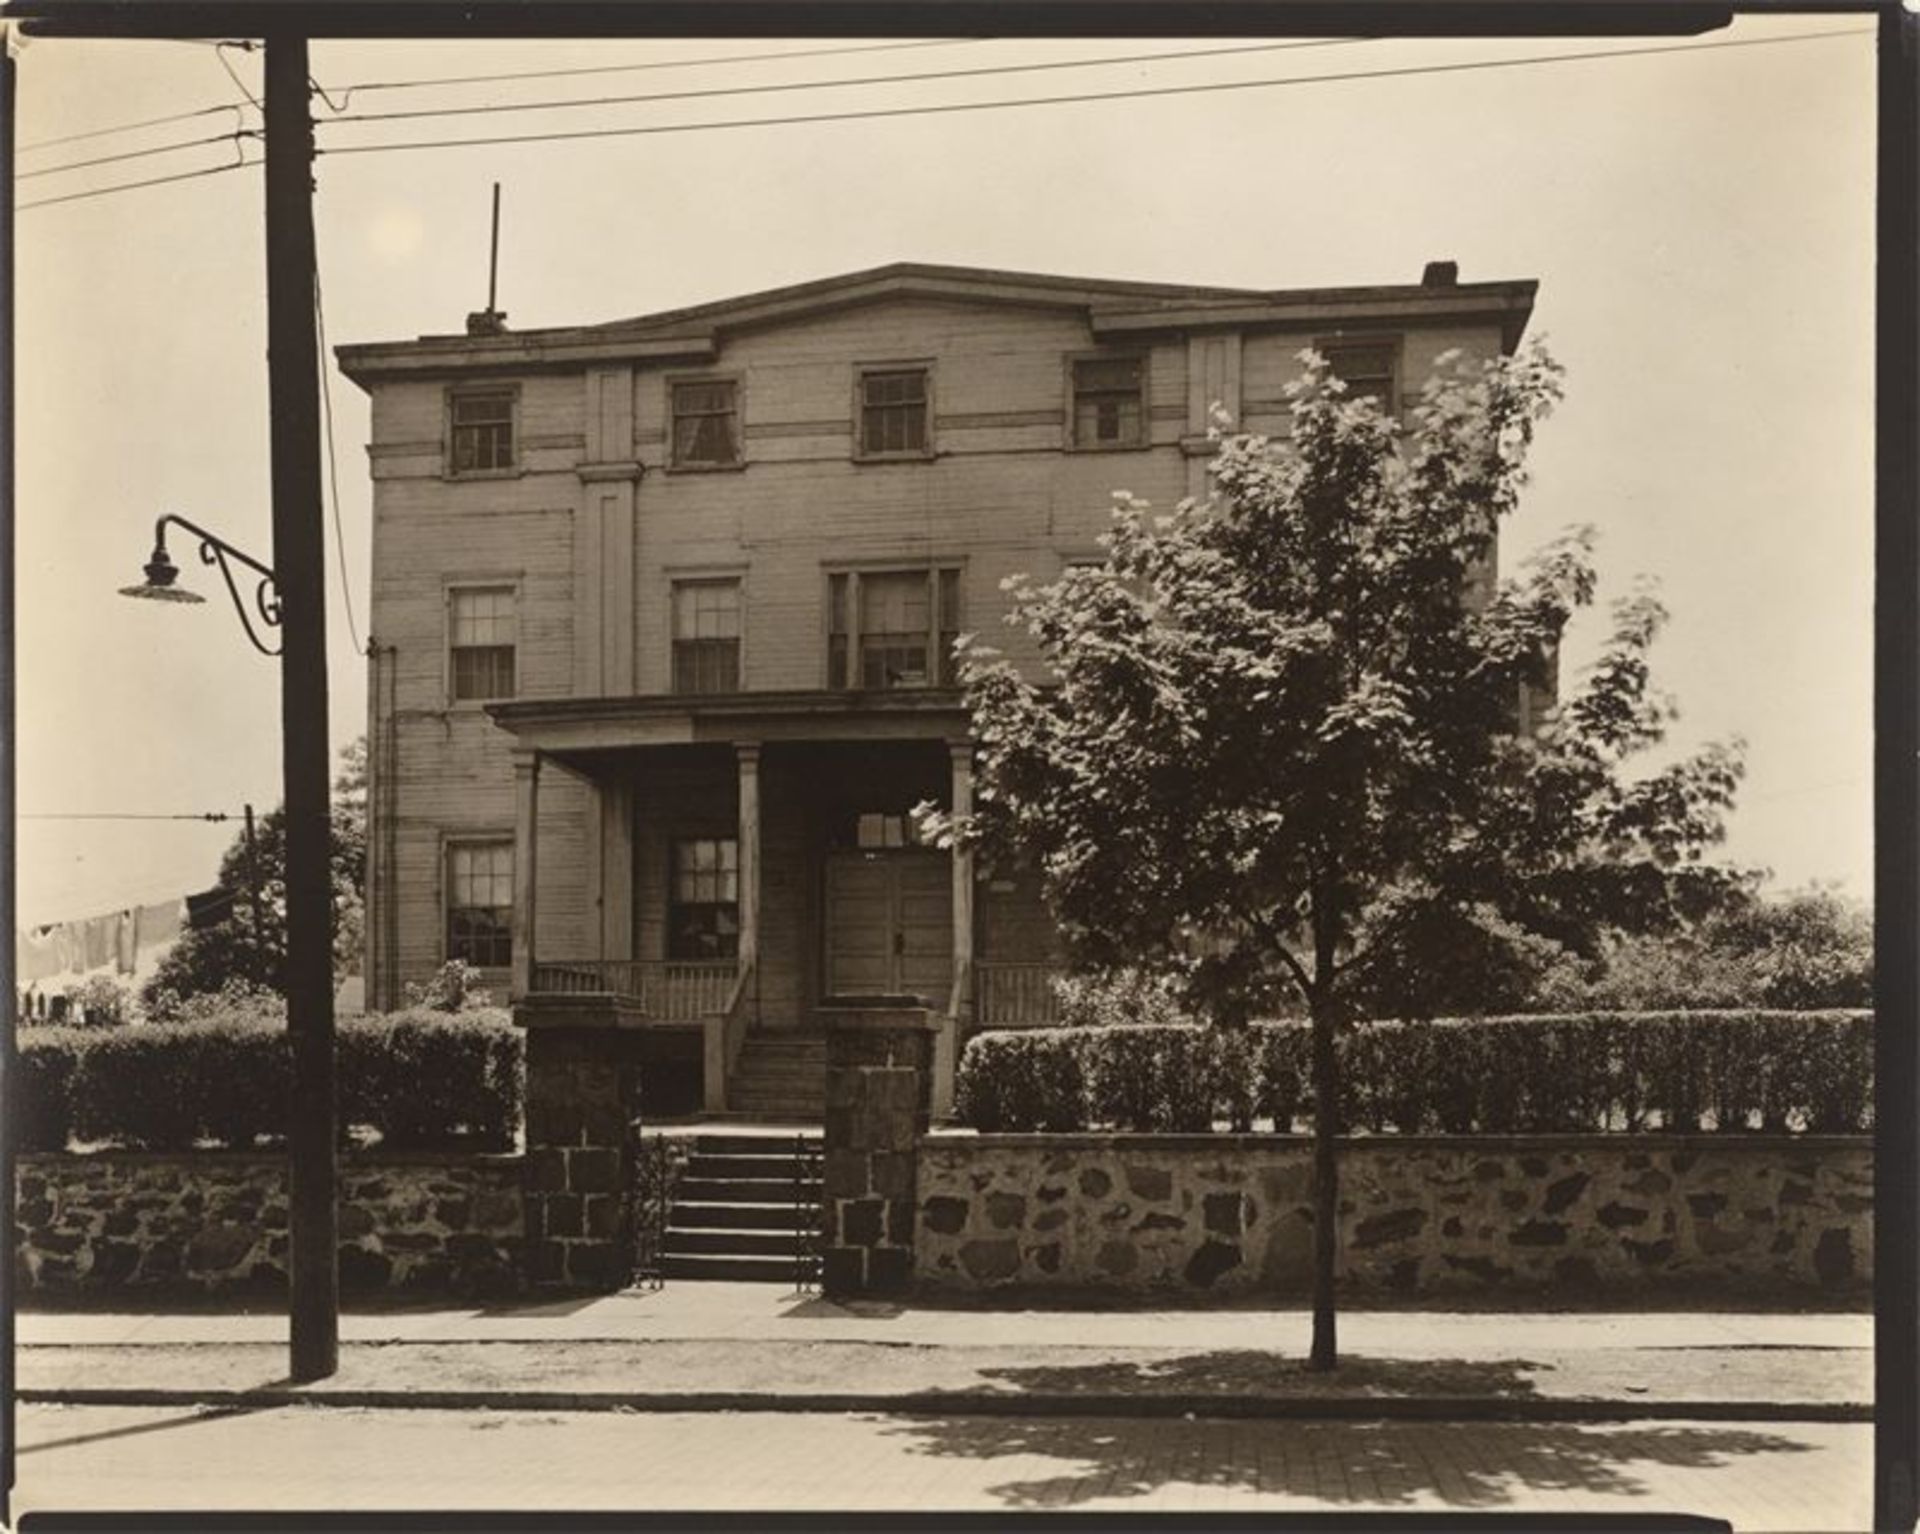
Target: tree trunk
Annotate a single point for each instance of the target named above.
(1326, 1185)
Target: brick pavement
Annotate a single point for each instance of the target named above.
(1805, 1477)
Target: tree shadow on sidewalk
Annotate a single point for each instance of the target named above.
(1332, 1464)
(1239, 1372)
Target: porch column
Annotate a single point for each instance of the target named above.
(526, 838)
(749, 870)
(946, 1043)
(962, 806)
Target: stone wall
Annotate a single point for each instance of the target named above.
(583, 1095)
(216, 1221)
(1231, 1214)
(878, 1094)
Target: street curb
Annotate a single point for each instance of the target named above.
(976, 1404)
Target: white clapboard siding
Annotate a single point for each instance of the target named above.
(1002, 493)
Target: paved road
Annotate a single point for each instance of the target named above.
(1805, 1477)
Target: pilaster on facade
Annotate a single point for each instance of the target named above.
(526, 850)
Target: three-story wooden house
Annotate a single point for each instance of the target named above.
(664, 612)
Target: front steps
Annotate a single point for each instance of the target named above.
(780, 1077)
(747, 1206)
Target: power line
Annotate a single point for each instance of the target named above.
(828, 85)
(212, 815)
(130, 186)
(145, 122)
(1039, 101)
(615, 69)
(333, 463)
(220, 55)
(137, 154)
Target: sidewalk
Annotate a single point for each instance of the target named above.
(718, 1346)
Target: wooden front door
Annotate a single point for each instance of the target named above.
(890, 924)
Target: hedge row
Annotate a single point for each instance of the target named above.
(420, 1079)
(1788, 1071)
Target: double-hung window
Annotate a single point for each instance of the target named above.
(892, 628)
(481, 641)
(482, 430)
(706, 424)
(1109, 402)
(706, 636)
(703, 898)
(1367, 368)
(893, 413)
(480, 903)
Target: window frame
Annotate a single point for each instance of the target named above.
(674, 382)
(1143, 361)
(672, 905)
(849, 675)
(862, 371)
(462, 840)
(676, 581)
(516, 464)
(1330, 346)
(450, 591)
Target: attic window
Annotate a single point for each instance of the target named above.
(893, 413)
(1366, 368)
(482, 422)
(706, 424)
(1109, 402)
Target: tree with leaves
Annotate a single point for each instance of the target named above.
(1277, 743)
(241, 948)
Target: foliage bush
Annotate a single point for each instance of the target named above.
(453, 987)
(417, 1079)
(1120, 997)
(1683, 1071)
(419, 1076)
(1032, 1079)
(40, 1108)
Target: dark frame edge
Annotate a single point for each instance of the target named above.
(1896, 1269)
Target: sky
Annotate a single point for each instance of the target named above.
(1700, 225)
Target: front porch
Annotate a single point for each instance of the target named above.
(747, 864)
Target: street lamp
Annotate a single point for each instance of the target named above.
(313, 1272)
(162, 573)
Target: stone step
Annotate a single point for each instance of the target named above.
(710, 1144)
(772, 1270)
(722, 1216)
(704, 1241)
(775, 1167)
(743, 1190)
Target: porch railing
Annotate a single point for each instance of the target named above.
(1014, 995)
(663, 988)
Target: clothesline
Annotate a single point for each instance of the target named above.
(118, 941)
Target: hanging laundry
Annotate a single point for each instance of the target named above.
(159, 925)
(209, 908)
(40, 952)
(99, 940)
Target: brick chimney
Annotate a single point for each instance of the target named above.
(1440, 274)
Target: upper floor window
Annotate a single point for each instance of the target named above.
(703, 898)
(480, 903)
(481, 641)
(482, 430)
(893, 412)
(706, 424)
(892, 628)
(1366, 368)
(1109, 402)
(706, 636)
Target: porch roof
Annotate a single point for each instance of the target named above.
(585, 725)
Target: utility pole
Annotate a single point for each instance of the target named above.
(253, 894)
(299, 564)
